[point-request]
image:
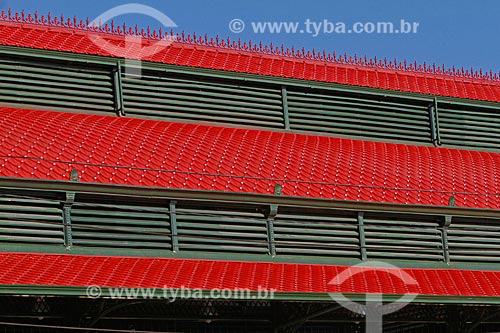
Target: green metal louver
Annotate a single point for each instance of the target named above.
(398, 237)
(195, 99)
(56, 85)
(76, 83)
(474, 240)
(159, 225)
(358, 116)
(120, 226)
(469, 127)
(317, 235)
(33, 220)
(213, 229)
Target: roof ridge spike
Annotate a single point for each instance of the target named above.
(115, 29)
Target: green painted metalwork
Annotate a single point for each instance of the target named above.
(282, 258)
(137, 192)
(205, 227)
(362, 240)
(68, 235)
(52, 84)
(173, 226)
(433, 124)
(470, 127)
(74, 176)
(436, 119)
(446, 223)
(403, 237)
(105, 221)
(113, 223)
(80, 83)
(271, 215)
(270, 236)
(25, 220)
(316, 233)
(474, 240)
(118, 90)
(286, 116)
(358, 116)
(242, 77)
(446, 249)
(191, 98)
(250, 295)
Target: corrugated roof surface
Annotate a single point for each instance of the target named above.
(60, 34)
(81, 271)
(48, 145)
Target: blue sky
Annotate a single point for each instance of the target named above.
(455, 33)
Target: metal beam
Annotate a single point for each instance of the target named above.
(249, 198)
(159, 293)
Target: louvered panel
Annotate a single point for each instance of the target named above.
(194, 99)
(120, 226)
(470, 128)
(30, 220)
(359, 116)
(307, 235)
(402, 238)
(54, 85)
(210, 229)
(474, 240)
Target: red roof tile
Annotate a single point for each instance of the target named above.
(131, 272)
(59, 34)
(114, 150)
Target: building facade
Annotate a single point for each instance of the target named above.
(221, 186)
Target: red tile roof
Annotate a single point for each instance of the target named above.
(131, 272)
(114, 150)
(67, 35)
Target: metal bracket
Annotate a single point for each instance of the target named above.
(448, 218)
(74, 176)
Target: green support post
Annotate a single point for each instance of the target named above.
(173, 226)
(270, 236)
(446, 250)
(68, 238)
(436, 110)
(362, 240)
(434, 122)
(118, 90)
(66, 210)
(273, 211)
(284, 98)
(446, 222)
